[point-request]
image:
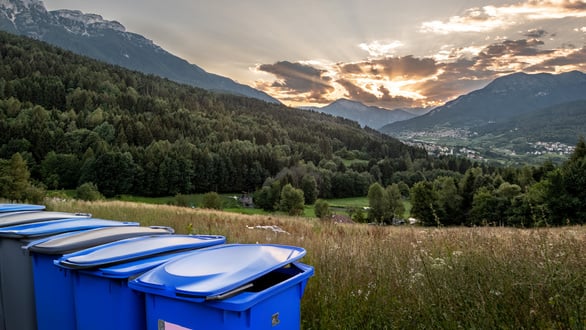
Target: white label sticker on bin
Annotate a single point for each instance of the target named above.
(164, 325)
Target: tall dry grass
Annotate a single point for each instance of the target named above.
(407, 277)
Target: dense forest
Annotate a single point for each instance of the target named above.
(66, 120)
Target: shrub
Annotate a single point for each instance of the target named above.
(322, 209)
(212, 200)
(88, 192)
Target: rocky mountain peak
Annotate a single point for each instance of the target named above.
(93, 36)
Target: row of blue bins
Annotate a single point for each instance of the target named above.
(71, 271)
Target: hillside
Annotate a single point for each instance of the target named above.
(78, 120)
(108, 41)
(508, 120)
(370, 116)
(499, 101)
(559, 123)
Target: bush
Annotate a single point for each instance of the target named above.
(183, 200)
(34, 194)
(292, 200)
(88, 192)
(322, 209)
(212, 200)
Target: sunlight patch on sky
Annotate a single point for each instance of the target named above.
(379, 48)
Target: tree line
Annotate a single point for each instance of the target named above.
(67, 122)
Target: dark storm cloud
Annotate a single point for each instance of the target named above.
(298, 77)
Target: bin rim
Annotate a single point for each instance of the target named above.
(74, 241)
(52, 227)
(15, 207)
(194, 275)
(21, 218)
(135, 248)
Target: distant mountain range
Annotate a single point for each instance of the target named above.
(373, 117)
(108, 41)
(515, 116)
(498, 102)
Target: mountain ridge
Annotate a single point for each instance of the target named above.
(503, 98)
(365, 115)
(93, 36)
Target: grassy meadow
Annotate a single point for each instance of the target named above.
(372, 277)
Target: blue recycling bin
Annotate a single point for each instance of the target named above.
(4, 208)
(16, 274)
(231, 286)
(102, 298)
(8, 219)
(54, 285)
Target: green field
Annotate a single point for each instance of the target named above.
(408, 277)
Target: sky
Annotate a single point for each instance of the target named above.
(392, 54)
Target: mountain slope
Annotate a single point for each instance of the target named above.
(563, 123)
(504, 98)
(370, 116)
(108, 41)
(78, 120)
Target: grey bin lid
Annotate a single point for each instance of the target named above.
(20, 207)
(18, 218)
(134, 249)
(39, 229)
(216, 271)
(70, 242)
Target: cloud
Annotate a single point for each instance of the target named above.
(489, 18)
(535, 33)
(383, 99)
(378, 48)
(570, 59)
(406, 67)
(298, 77)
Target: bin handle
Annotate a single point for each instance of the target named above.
(229, 293)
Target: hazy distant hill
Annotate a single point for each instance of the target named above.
(108, 41)
(498, 102)
(373, 117)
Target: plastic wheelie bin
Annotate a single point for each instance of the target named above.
(16, 274)
(54, 285)
(102, 299)
(230, 286)
(8, 219)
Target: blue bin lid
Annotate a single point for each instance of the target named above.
(53, 227)
(136, 267)
(20, 207)
(135, 248)
(215, 271)
(75, 241)
(18, 218)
